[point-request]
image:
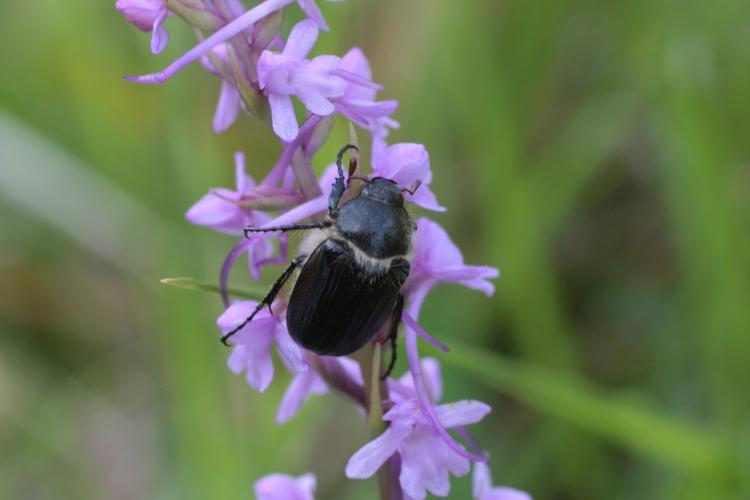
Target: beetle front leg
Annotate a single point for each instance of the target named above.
(268, 299)
(284, 229)
(337, 191)
(398, 310)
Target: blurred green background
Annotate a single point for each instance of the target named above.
(596, 152)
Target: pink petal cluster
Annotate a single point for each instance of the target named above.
(285, 487)
(358, 102)
(252, 350)
(222, 210)
(426, 460)
(407, 164)
(438, 260)
(289, 73)
(147, 16)
(309, 383)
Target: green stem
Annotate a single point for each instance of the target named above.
(370, 358)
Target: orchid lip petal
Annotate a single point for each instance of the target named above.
(368, 459)
(283, 118)
(240, 24)
(303, 385)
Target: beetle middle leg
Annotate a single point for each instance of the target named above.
(398, 310)
(269, 298)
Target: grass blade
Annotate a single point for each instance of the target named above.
(202, 286)
(621, 421)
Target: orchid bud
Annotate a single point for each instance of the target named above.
(141, 13)
(195, 14)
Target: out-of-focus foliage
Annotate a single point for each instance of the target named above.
(597, 152)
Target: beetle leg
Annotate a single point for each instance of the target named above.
(269, 298)
(398, 310)
(290, 227)
(337, 191)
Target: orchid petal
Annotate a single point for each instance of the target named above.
(412, 323)
(432, 377)
(301, 39)
(482, 487)
(241, 180)
(228, 107)
(368, 459)
(302, 386)
(159, 35)
(462, 413)
(428, 410)
(285, 487)
(504, 493)
(310, 8)
(289, 351)
(480, 480)
(282, 116)
(214, 211)
(315, 102)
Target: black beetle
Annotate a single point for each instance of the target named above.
(352, 269)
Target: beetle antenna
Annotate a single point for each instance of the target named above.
(413, 189)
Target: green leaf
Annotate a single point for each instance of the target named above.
(202, 286)
(616, 419)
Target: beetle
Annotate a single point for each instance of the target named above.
(352, 267)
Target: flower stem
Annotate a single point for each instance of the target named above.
(370, 358)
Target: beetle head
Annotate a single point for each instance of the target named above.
(384, 190)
